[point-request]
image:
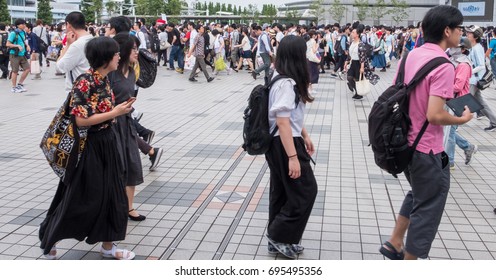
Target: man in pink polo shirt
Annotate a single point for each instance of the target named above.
(428, 172)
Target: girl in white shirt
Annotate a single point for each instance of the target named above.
(246, 55)
(293, 187)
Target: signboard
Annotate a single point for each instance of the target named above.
(475, 10)
(472, 9)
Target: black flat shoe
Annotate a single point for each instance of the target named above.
(138, 218)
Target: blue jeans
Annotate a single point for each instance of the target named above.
(493, 65)
(455, 138)
(176, 53)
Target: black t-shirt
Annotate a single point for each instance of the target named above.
(176, 33)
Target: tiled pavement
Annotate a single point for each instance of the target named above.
(209, 200)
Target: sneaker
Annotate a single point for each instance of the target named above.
(480, 116)
(21, 88)
(491, 127)
(210, 79)
(179, 70)
(296, 247)
(283, 248)
(452, 166)
(340, 75)
(193, 80)
(254, 75)
(16, 90)
(155, 159)
(469, 153)
(149, 136)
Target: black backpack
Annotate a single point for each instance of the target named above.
(256, 131)
(3, 46)
(155, 42)
(148, 69)
(389, 121)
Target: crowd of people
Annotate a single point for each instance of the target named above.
(100, 64)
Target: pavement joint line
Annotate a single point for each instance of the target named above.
(237, 219)
(180, 236)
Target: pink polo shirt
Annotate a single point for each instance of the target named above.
(440, 83)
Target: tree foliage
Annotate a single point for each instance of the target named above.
(317, 9)
(337, 10)
(4, 12)
(379, 10)
(45, 11)
(362, 9)
(399, 11)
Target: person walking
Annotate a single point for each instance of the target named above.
(42, 33)
(245, 50)
(4, 52)
(122, 83)
(18, 44)
(474, 34)
(197, 49)
(359, 63)
(293, 187)
(264, 51)
(463, 72)
(93, 205)
(428, 172)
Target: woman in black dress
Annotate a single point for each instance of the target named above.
(122, 82)
(93, 206)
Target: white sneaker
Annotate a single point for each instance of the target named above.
(16, 90)
(21, 88)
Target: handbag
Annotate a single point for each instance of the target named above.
(63, 142)
(42, 46)
(53, 53)
(486, 80)
(35, 67)
(164, 45)
(313, 57)
(363, 86)
(220, 64)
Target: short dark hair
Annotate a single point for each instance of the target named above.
(2, 26)
(437, 19)
(29, 25)
(138, 23)
(215, 32)
(258, 27)
(76, 20)
(100, 51)
(120, 24)
(19, 21)
(234, 26)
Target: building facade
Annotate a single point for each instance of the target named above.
(481, 12)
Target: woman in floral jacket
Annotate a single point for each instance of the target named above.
(359, 62)
(93, 205)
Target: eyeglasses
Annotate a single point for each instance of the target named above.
(461, 27)
(117, 54)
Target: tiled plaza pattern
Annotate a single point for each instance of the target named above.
(209, 200)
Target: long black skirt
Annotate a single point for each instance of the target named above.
(128, 149)
(94, 205)
(313, 69)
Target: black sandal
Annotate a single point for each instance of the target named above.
(388, 251)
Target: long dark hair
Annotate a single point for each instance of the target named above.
(291, 61)
(126, 44)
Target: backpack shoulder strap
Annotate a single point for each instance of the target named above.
(426, 69)
(400, 78)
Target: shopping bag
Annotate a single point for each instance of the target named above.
(35, 67)
(220, 64)
(190, 63)
(363, 86)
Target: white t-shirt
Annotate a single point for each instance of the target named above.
(246, 43)
(354, 51)
(74, 60)
(142, 39)
(192, 37)
(282, 104)
(279, 36)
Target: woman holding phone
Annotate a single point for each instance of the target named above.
(93, 206)
(122, 82)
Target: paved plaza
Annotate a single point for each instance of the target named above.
(208, 199)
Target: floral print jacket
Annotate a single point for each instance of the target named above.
(91, 94)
